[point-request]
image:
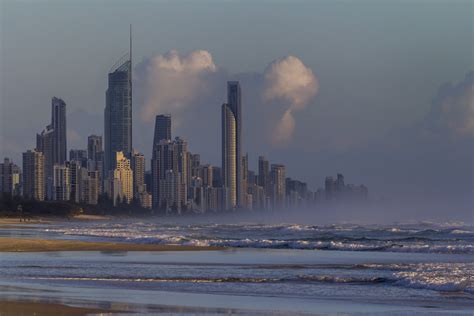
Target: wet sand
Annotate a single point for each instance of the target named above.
(43, 245)
(8, 308)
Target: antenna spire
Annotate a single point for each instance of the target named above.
(130, 44)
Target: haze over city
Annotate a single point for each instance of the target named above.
(386, 100)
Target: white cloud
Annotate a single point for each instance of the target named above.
(173, 81)
(289, 80)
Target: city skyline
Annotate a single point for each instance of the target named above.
(355, 120)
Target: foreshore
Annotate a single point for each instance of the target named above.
(43, 245)
(11, 244)
(47, 309)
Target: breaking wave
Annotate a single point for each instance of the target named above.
(288, 236)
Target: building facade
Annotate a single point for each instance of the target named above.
(118, 113)
(61, 183)
(10, 176)
(229, 154)
(234, 101)
(58, 124)
(33, 175)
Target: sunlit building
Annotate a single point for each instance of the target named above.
(33, 175)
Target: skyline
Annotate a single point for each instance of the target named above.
(346, 128)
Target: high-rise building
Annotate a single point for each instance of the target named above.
(207, 175)
(124, 174)
(330, 188)
(89, 181)
(61, 183)
(9, 178)
(75, 174)
(234, 101)
(79, 155)
(58, 124)
(264, 175)
(118, 111)
(162, 129)
(45, 144)
(94, 147)
(95, 162)
(169, 175)
(278, 185)
(52, 143)
(138, 167)
(246, 200)
(229, 155)
(33, 175)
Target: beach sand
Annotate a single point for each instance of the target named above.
(41, 245)
(10, 308)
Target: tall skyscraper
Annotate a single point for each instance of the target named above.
(169, 175)
(138, 167)
(162, 129)
(234, 101)
(278, 186)
(264, 175)
(61, 183)
(44, 144)
(75, 173)
(94, 147)
(58, 124)
(121, 180)
(229, 155)
(245, 168)
(33, 175)
(95, 155)
(118, 111)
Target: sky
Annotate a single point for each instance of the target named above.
(381, 91)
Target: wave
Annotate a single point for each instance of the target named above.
(286, 236)
(398, 279)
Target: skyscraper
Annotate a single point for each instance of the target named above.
(234, 101)
(61, 183)
(33, 175)
(162, 129)
(95, 155)
(138, 168)
(118, 111)
(9, 178)
(58, 124)
(278, 186)
(44, 144)
(94, 147)
(229, 155)
(169, 175)
(264, 175)
(121, 180)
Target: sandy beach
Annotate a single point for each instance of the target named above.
(42, 245)
(8, 308)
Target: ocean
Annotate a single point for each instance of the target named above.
(422, 268)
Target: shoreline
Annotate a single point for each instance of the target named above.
(45, 245)
(21, 307)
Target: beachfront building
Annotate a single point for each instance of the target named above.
(61, 183)
(10, 178)
(33, 175)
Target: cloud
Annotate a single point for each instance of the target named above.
(452, 110)
(171, 81)
(289, 80)
(284, 129)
